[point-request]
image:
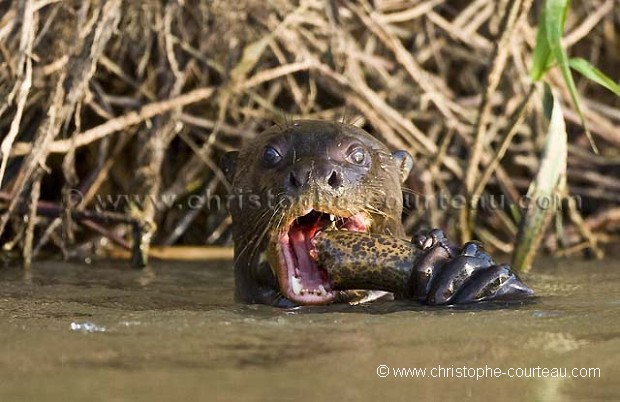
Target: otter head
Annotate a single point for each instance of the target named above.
(294, 181)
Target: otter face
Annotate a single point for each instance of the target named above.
(295, 181)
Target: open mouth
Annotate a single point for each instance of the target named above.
(301, 278)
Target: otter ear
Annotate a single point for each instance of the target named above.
(228, 164)
(404, 161)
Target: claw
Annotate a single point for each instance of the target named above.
(495, 283)
(435, 238)
(456, 272)
(475, 249)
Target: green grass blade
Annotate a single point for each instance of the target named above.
(541, 58)
(546, 188)
(594, 74)
(555, 16)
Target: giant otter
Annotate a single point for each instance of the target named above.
(304, 177)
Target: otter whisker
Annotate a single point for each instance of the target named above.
(259, 239)
(256, 241)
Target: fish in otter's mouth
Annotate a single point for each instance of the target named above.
(300, 277)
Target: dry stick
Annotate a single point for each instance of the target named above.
(24, 75)
(502, 177)
(390, 115)
(474, 24)
(435, 47)
(107, 233)
(45, 237)
(71, 180)
(588, 24)
(69, 90)
(469, 12)
(293, 86)
(514, 9)
(119, 123)
(429, 83)
(606, 110)
(434, 169)
(184, 223)
(516, 120)
(87, 218)
(156, 140)
(118, 71)
(412, 13)
(35, 158)
(153, 160)
(219, 230)
(598, 124)
(458, 33)
(402, 125)
(272, 74)
(93, 185)
(210, 125)
(35, 193)
(589, 237)
(104, 171)
(193, 167)
(589, 160)
(595, 178)
(148, 182)
(609, 217)
(53, 210)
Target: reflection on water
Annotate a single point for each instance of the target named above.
(103, 332)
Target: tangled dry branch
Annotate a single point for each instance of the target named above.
(107, 98)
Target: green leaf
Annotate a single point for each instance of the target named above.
(547, 188)
(555, 11)
(541, 58)
(594, 74)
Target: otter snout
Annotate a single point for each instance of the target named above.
(318, 175)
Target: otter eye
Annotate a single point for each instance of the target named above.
(271, 156)
(357, 156)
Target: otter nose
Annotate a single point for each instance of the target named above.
(304, 176)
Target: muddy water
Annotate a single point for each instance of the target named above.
(101, 332)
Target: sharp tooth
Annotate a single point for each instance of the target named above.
(428, 243)
(296, 285)
(322, 290)
(263, 257)
(332, 218)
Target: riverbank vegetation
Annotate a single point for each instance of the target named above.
(114, 114)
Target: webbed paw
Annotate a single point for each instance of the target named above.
(435, 238)
(458, 271)
(426, 267)
(496, 283)
(473, 276)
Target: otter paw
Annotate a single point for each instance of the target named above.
(437, 251)
(456, 272)
(496, 283)
(432, 239)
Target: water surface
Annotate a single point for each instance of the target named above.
(102, 332)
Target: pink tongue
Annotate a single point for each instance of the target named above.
(354, 224)
(310, 275)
